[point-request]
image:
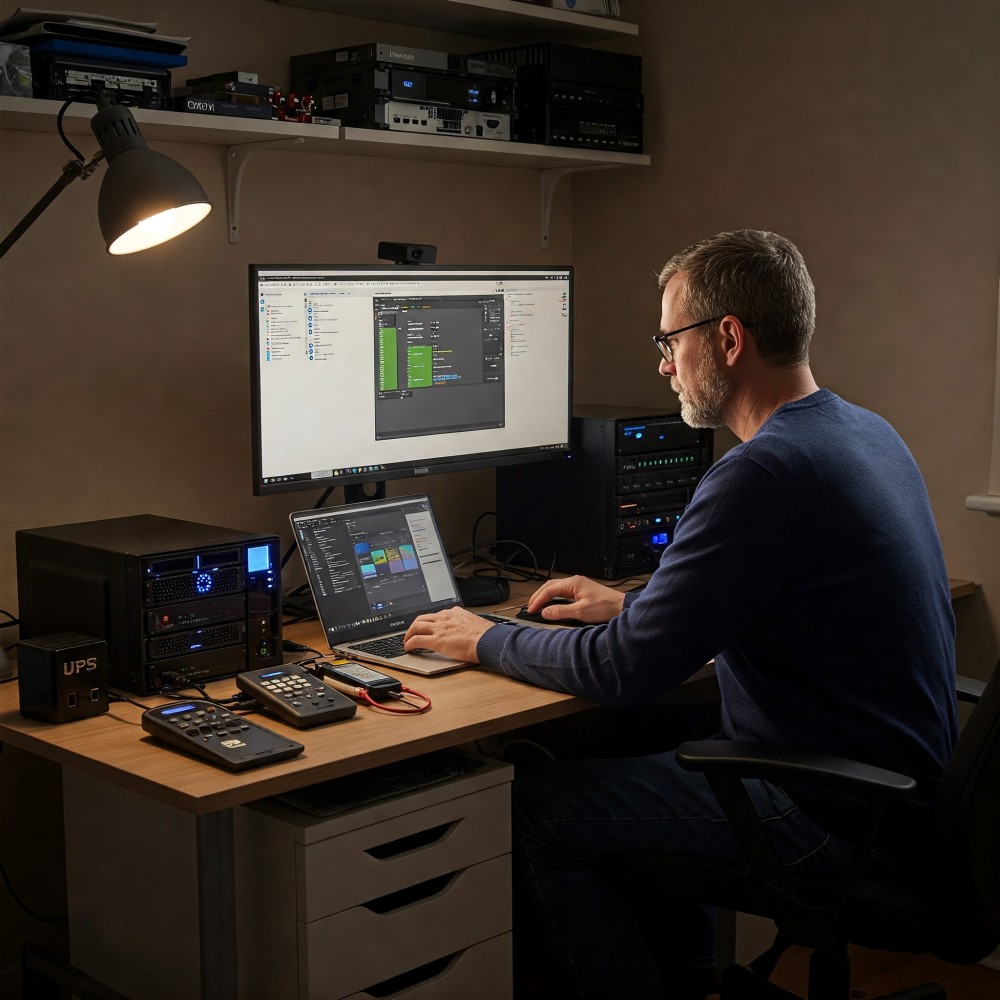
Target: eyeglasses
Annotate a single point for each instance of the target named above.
(661, 339)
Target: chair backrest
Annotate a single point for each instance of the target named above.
(967, 836)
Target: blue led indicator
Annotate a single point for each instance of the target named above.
(407, 83)
(178, 708)
(203, 583)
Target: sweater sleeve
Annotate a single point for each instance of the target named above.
(722, 567)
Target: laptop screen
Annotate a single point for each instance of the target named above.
(374, 567)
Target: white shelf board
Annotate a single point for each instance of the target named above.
(33, 115)
(29, 114)
(486, 152)
(503, 19)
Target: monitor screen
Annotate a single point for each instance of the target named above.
(363, 374)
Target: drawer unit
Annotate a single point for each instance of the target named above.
(410, 893)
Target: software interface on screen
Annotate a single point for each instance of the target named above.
(369, 373)
(369, 564)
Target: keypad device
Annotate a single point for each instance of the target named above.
(295, 696)
(215, 734)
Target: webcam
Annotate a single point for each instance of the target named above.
(407, 253)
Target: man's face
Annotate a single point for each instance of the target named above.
(703, 385)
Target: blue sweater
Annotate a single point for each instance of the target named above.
(809, 566)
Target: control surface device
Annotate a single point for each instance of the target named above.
(295, 696)
(217, 735)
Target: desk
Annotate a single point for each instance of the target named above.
(104, 752)
(468, 705)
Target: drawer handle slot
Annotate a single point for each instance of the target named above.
(405, 981)
(411, 842)
(411, 894)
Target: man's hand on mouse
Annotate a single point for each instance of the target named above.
(589, 602)
(454, 632)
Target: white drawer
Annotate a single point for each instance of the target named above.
(482, 972)
(355, 867)
(353, 950)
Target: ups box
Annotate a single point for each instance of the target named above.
(62, 677)
(165, 594)
(609, 508)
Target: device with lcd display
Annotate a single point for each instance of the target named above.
(217, 735)
(295, 696)
(349, 677)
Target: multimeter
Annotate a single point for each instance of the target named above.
(349, 677)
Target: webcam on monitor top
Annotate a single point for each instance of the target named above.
(407, 253)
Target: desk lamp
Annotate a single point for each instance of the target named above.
(146, 198)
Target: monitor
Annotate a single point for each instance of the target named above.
(362, 374)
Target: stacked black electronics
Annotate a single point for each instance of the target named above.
(610, 508)
(571, 96)
(385, 86)
(166, 595)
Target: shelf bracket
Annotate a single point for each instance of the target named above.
(236, 159)
(550, 181)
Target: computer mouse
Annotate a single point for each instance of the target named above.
(536, 616)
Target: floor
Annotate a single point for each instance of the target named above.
(875, 973)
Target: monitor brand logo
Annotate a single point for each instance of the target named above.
(422, 471)
(73, 667)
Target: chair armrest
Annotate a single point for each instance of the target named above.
(758, 760)
(969, 689)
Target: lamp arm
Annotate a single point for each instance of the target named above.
(74, 169)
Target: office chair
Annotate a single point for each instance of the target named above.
(949, 908)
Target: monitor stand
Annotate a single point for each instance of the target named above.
(360, 492)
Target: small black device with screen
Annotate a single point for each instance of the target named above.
(349, 677)
(217, 735)
(295, 696)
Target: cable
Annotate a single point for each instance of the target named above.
(116, 695)
(362, 695)
(23, 905)
(296, 647)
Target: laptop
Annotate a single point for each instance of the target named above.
(373, 567)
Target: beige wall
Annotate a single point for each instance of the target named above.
(127, 380)
(867, 132)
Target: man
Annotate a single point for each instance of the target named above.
(807, 564)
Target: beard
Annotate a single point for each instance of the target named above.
(705, 396)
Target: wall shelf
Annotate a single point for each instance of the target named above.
(501, 19)
(245, 136)
(33, 115)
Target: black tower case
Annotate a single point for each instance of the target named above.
(166, 595)
(610, 508)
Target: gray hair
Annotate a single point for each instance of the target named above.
(759, 277)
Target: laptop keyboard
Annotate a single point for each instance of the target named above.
(389, 646)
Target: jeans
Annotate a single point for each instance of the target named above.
(571, 814)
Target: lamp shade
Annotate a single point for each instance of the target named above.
(146, 197)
